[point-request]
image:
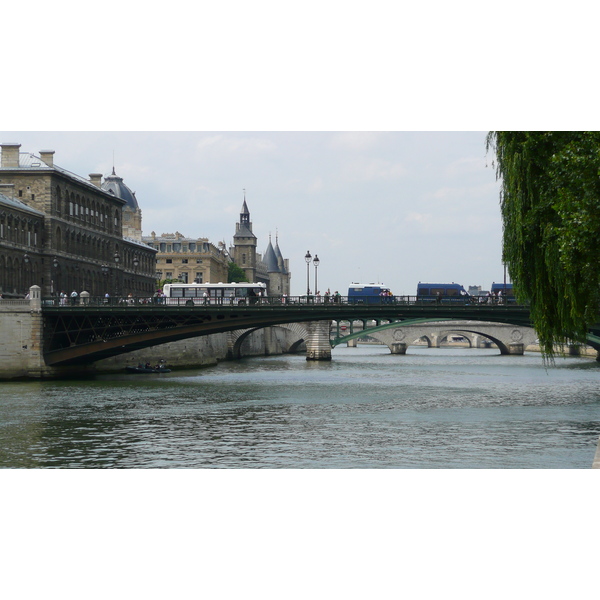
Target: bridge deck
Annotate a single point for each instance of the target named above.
(95, 329)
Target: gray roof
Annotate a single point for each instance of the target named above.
(31, 162)
(114, 184)
(280, 259)
(270, 259)
(244, 224)
(14, 203)
(243, 231)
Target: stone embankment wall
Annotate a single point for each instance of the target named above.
(20, 340)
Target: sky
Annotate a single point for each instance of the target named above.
(376, 207)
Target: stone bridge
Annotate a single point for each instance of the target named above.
(510, 339)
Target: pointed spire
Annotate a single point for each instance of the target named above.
(270, 258)
(245, 210)
(244, 227)
(279, 255)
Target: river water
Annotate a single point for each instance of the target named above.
(368, 409)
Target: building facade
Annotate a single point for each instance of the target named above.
(21, 249)
(77, 228)
(188, 259)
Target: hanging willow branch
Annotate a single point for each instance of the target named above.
(550, 204)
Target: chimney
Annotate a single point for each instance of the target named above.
(10, 155)
(96, 179)
(48, 157)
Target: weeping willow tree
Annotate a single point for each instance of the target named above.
(550, 203)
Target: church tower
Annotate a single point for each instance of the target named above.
(244, 244)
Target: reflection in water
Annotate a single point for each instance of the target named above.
(433, 408)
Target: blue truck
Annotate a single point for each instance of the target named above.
(368, 293)
(442, 292)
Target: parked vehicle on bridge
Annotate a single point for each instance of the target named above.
(213, 293)
(503, 291)
(442, 292)
(368, 293)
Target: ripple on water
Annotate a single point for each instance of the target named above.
(365, 409)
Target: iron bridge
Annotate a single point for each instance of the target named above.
(95, 329)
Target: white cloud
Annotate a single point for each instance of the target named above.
(355, 140)
(466, 165)
(372, 169)
(231, 144)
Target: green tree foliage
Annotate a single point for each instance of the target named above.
(550, 203)
(236, 274)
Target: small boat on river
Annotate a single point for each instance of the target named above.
(147, 368)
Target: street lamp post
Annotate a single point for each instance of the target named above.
(308, 259)
(105, 271)
(56, 276)
(136, 264)
(316, 262)
(27, 260)
(117, 258)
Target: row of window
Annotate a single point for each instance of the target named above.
(94, 247)
(22, 231)
(184, 277)
(88, 211)
(15, 276)
(180, 247)
(184, 261)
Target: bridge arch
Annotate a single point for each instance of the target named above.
(237, 337)
(509, 339)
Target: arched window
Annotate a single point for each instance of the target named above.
(58, 200)
(58, 239)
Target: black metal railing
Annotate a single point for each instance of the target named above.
(269, 301)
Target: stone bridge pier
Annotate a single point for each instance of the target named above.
(510, 339)
(318, 346)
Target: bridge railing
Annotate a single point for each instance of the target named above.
(264, 301)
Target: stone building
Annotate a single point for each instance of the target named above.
(21, 229)
(79, 225)
(272, 269)
(188, 259)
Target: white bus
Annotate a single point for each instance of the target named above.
(213, 293)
